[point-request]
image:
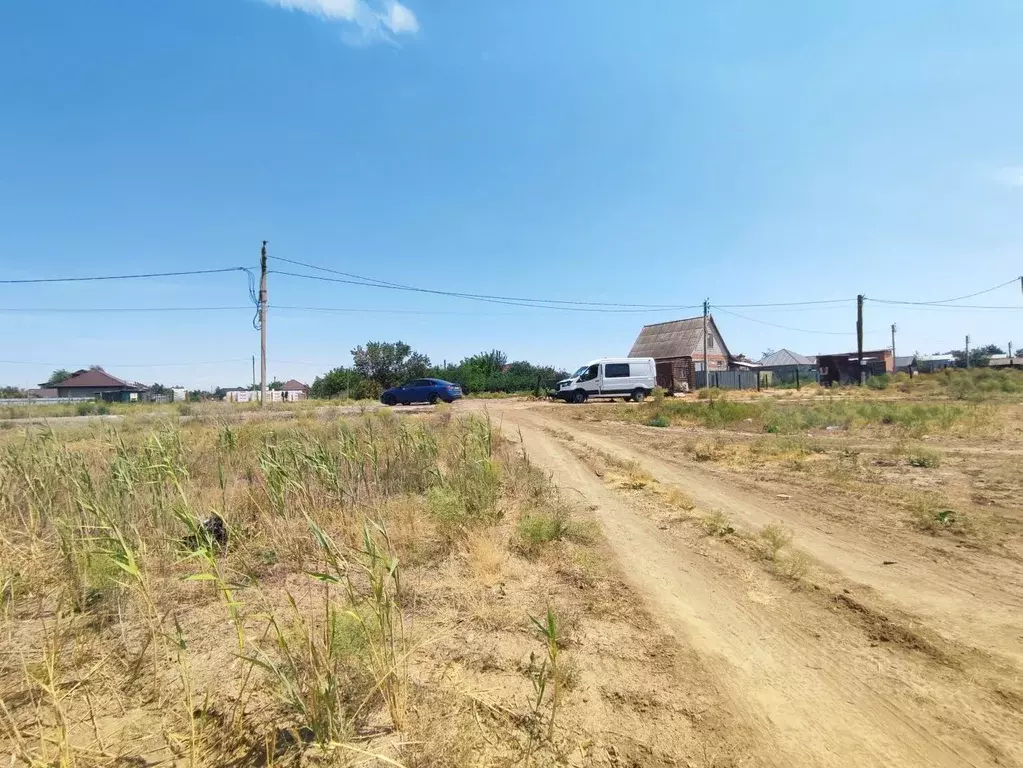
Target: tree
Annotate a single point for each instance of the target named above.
(389, 364)
(979, 356)
(61, 374)
(159, 389)
(275, 384)
(344, 382)
(96, 368)
(491, 372)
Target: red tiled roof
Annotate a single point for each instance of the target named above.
(93, 379)
(294, 385)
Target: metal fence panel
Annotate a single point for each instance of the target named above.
(727, 379)
(30, 401)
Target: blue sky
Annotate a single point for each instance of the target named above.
(645, 152)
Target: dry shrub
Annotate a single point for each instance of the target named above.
(486, 557)
(794, 566)
(773, 538)
(718, 524)
(441, 731)
(680, 499)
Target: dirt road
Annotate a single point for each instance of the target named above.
(824, 679)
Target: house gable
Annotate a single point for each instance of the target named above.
(680, 338)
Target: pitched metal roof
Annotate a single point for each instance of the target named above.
(294, 385)
(677, 338)
(904, 362)
(785, 357)
(96, 378)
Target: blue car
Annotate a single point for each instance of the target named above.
(422, 391)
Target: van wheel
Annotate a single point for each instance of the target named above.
(638, 395)
(579, 397)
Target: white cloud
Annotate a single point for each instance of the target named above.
(344, 10)
(1010, 176)
(400, 19)
(374, 22)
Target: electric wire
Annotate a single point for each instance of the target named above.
(124, 277)
(947, 301)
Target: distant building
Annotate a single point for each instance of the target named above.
(932, 363)
(97, 383)
(252, 396)
(179, 394)
(294, 389)
(905, 363)
(1004, 361)
(47, 392)
(677, 349)
(843, 368)
(787, 366)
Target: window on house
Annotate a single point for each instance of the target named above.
(710, 342)
(616, 370)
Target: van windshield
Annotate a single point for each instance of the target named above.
(580, 372)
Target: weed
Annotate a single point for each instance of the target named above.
(636, 478)
(774, 538)
(660, 420)
(933, 521)
(680, 499)
(794, 566)
(538, 528)
(548, 670)
(718, 524)
(921, 457)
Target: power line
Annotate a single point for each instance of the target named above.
(397, 311)
(533, 303)
(123, 277)
(374, 283)
(358, 310)
(787, 303)
(136, 365)
(74, 310)
(916, 305)
(786, 327)
(948, 301)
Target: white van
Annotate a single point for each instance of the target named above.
(630, 378)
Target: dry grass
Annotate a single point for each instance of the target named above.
(323, 631)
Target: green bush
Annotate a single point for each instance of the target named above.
(658, 421)
(878, 382)
(540, 527)
(924, 458)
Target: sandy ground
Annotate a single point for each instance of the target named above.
(882, 655)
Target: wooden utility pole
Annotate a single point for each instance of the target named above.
(262, 326)
(967, 350)
(859, 338)
(894, 364)
(706, 371)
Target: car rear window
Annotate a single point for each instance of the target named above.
(616, 370)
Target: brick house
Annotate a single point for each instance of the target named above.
(294, 389)
(97, 383)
